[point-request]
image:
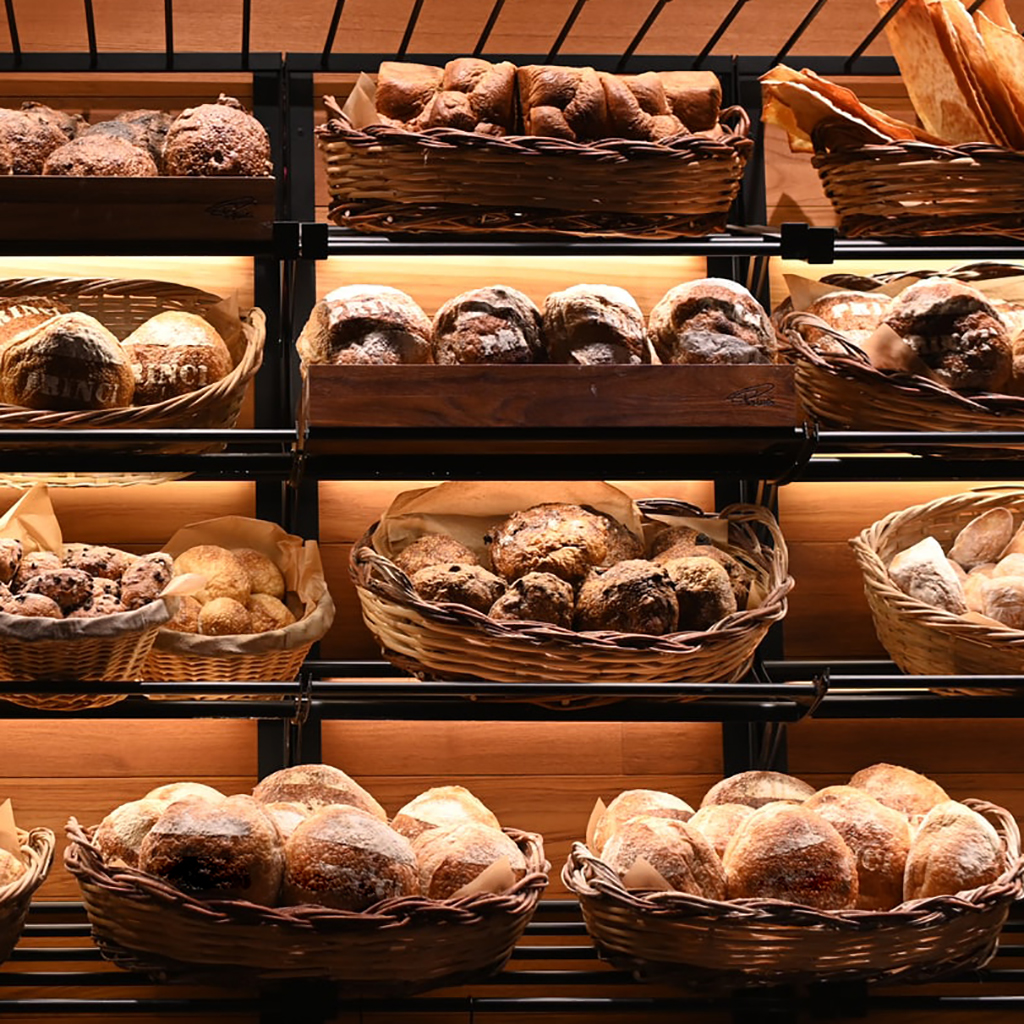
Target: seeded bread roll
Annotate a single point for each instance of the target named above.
(67, 587)
(29, 138)
(711, 321)
(703, 590)
(786, 852)
(679, 853)
(757, 788)
(225, 574)
(631, 803)
(488, 325)
(267, 613)
(983, 539)
(718, 823)
(433, 549)
(878, 837)
(635, 596)
(452, 856)
(316, 785)
(440, 807)
(11, 550)
(144, 580)
(471, 585)
(264, 575)
(954, 850)
(594, 324)
(120, 834)
(96, 155)
(223, 616)
(343, 857)
(536, 597)
(215, 139)
(230, 850)
(68, 362)
(923, 572)
(902, 789)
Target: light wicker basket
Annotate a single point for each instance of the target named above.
(920, 638)
(389, 180)
(398, 946)
(37, 851)
(452, 641)
(743, 943)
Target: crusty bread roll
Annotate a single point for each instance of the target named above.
(365, 323)
(433, 549)
(186, 618)
(594, 324)
(739, 575)
(69, 124)
(11, 868)
(217, 139)
(856, 315)
(635, 596)
(264, 576)
(28, 138)
(566, 103)
(224, 616)
(316, 785)
(497, 324)
(287, 815)
(100, 155)
(718, 823)
(68, 362)
(786, 852)
(922, 571)
(679, 853)
(471, 585)
(1002, 599)
(171, 791)
(757, 788)
(225, 575)
(983, 539)
(174, 353)
(536, 597)
(120, 834)
(900, 788)
(439, 807)
(631, 803)
(878, 837)
(454, 855)
(267, 613)
(343, 857)
(703, 590)
(230, 849)
(955, 849)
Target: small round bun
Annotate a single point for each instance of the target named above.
(454, 855)
(98, 155)
(267, 613)
(31, 606)
(635, 596)
(631, 803)
(186, 618)
(703, 590)
(225, 575)
(757, 788)
(216, 139)
(433, 549)
(471, 585)
(171, 791)
(264, 575)
(316, 785)
(536, 597)
(11, 550)
(343, 857)
(120, 834)
(144, 580)
(439, 807)
(902, 789)
(718, 823)
(223, 616)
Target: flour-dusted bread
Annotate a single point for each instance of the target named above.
(631, 803)
(316, 785)
(594, 324)
(955, 849)
(786, 852)
(169, 792)
(983, 539)
(216, 139)
(120, 834)
(1002, 599)
(902, 789)
(856, 315)
(452, 856)
(718, 823)
(923, 572)
(878, 837)
(439, 807)
(757, 788)
(635, 596)
(497, 324)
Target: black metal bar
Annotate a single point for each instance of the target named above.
(246, 31)
(566, 29)
(12, 27)
(90, 29)
(332, 31)
(485, 34)
(169, 32)
(723, 27)
(975, 6)
(410, 27)
(646, 27)
(876, 31)
(800, 29)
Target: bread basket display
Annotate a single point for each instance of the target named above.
(449, 640)
(35, 851)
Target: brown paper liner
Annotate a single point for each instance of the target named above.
(9, 830)
(496, 877)
(595, 816)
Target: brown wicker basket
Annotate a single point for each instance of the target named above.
(398, 946)
(384, 179)
(751, 942)
(452, 641)
(913, 189)
(920, 638)
(37, 850)
(110, 648)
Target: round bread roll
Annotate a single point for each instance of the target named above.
(433, 549)
(878, 837)
(70, 125)
(902, 789)
(11, 550)
(563, 539)
(100, 155)
(718, 823)
(739, 575)
(757, 788)
(11, 868)
(452, 856)
(95, 606)
(31, 606)
(267, 613)
(955, 849)
(631, 803)
(1008, 565)
(225, 575)
(215, 139)
(1002, 599)
(956, 332)
(679, 853)
(711, 321)
(145, 579)
(922, 571)
(229, 850)
(536, 597)
(856, 315)
(97, 560)
(666, 537)
(223, 616)
(31, 564)
(488, 325)
(439, 807)
(171, 791)
(316, 786)
(594, 324)
(174, 353)
(264, 575)
(28, 138)
(120, 834)
(68, 362)
(287, 815)
(786, 852)
(151, 127)
(186, 618)
(621, 544)
(343, 857)
(703, 590)
(635, 596)
(133, 134)
(67, 587)
(471, 585)
(983, 539)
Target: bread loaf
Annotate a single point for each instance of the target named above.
(70, 125)
(594, 324)
(153, 126)
(343, 857)
(439, 807)
(452, 856)
(120, 834)
(405, 90)
(718, 823)
(757, 788)
(475, 95)
(983, 539)
(856, 315)
(635, 596)
(217, 139)
(695, 97)
(316, 785)
(21, 314)
(631, 803)
(536, 597)
(565, 103)
(488, 325)
(900, 788)
(923, 572)
(638, 108)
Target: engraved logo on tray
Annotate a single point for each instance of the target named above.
(233, 209)
(756, 394)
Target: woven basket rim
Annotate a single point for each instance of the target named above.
(152, 614)
(37, 847)
(916, 150)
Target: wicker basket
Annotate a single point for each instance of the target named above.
(388, 180)
(920, 638)
(110, 648)
(122, 306)
(913, 189)
(452, 641)
(399, 946)
(37, 850)
(753, 942)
